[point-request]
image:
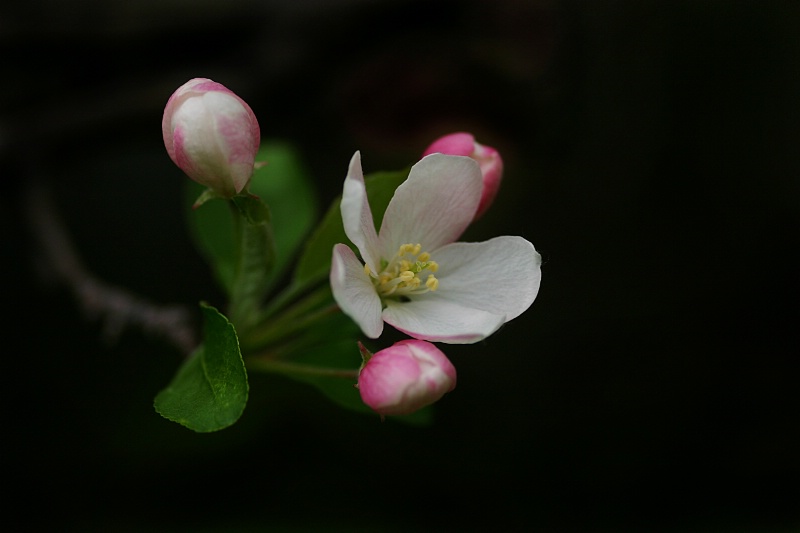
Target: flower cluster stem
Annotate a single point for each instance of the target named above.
(268, 364)
(286, 326)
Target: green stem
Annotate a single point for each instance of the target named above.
(287, 296)
(267, 364)
(285, 327)
(300, 315)
(309, 302)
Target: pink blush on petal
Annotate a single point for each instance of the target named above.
(454, 144)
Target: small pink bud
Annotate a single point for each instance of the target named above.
(212, 135)
(405, 377)
(487, 157)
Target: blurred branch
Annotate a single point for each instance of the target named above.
(117, 308)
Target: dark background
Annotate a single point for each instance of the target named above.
(651, 153)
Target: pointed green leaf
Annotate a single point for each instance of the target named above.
(285, 185)
(210, 390)
(255, 255)
(380, 190)
(315, 262)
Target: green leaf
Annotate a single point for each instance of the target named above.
(342, 391)
(380, 190)
(210, 390)
(339, 354)
(327, 357)
(211, 228)
(254, 259)
(315, 262)
(284, 185)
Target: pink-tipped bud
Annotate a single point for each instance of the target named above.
(212, 135)
(487, 157)
(405, 377)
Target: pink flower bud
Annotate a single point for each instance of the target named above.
(405, 377)
(487, 157)
(212, 135)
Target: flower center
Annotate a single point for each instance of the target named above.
(403, 274)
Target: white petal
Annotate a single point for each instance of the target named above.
(434, 205)
(441, 321)
(501, 275)
(354, 292)
(357, 216)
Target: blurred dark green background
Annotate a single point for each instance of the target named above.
(651, 153)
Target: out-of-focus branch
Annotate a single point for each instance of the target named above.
(117, 308)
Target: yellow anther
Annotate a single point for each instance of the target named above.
(432, 283)
(367, 270)
(400, 276)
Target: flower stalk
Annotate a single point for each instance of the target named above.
(277, 366)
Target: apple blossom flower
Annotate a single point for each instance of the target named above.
(413, 275)
(487, 157)
(405, 377)
(212, 135)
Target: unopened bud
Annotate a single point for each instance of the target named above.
(487, 157)
(405, 377)
(212, 135)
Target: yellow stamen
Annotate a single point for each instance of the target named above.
(432, 283)
(402, 275)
